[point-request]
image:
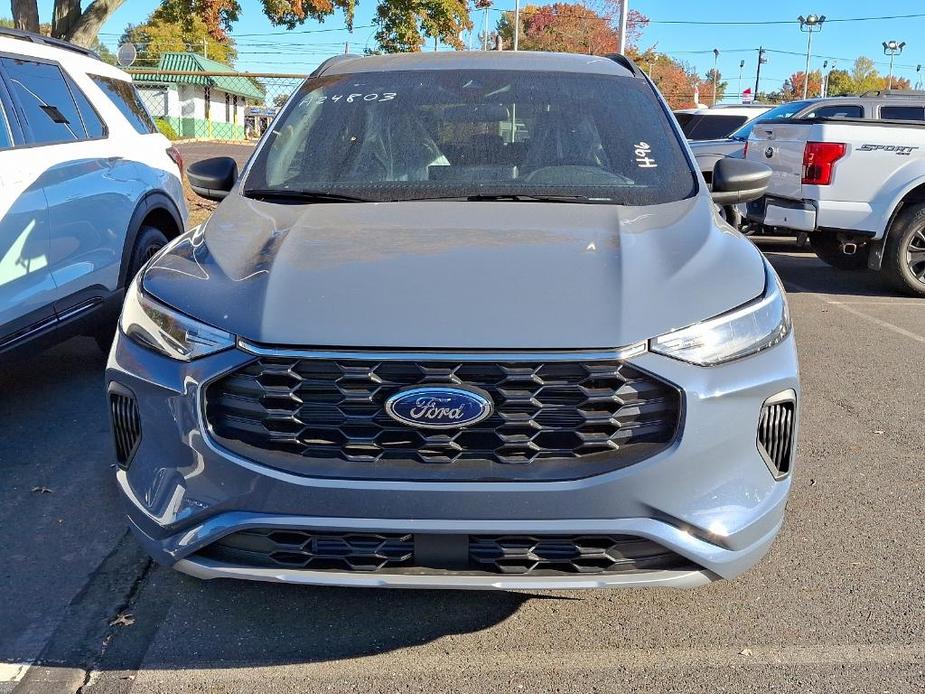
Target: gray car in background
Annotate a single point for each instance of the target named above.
(465, 320)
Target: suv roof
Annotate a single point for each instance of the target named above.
(491, 60)
(47, 41)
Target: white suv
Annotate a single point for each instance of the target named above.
(89, 189)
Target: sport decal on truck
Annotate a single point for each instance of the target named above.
(901, 150)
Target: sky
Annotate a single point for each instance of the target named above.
(265, 48)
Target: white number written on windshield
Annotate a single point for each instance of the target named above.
(353, 98)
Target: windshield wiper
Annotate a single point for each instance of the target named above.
(300, 196)
(488, 197)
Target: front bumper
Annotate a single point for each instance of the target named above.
(710, 498)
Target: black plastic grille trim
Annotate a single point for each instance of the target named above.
(126, 425)
(584, 554)
(303, 549)
(775, 434)
(526, 555)
(282, 410)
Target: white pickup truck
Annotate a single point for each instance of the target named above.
(856, 186)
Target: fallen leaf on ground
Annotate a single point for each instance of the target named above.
(745, 651)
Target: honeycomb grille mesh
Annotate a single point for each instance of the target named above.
(586, 554)
(365, 552)
(320, 408)
(301, 549)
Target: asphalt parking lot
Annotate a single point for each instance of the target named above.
(837, 606)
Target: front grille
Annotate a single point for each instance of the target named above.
(775, 434)
(285, 411)
(546, 555)
(126, 426)
(585, 554)
(300, 549)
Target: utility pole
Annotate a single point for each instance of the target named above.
(346, 47)
(205, 48)
(762, 59)
(715, 58)
(892, 49)
(809, 24)
(825, 77)
(624, 14)
(516, 24)
(918, 77)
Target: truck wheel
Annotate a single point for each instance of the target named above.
(904, 252)
(148, 242)
(829, 250)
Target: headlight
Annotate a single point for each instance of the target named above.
(166, 331)
(741, 332)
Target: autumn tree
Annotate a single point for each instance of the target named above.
(407, 25)
(862, 77)
(583, 27)
(164, 32)
(793, 87)
(676, 80)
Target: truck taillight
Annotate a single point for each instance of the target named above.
(819, 162)
(745, 151)
(174, 154)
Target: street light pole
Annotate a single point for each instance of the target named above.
(715, 58)
(741, 67)
(624, 14)
(892, 49)
(809, 24)
(825, 78)
(516, 24)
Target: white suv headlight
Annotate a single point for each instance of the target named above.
(746, 330)
(169, 332)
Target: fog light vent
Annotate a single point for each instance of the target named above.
(126, 426)
(776, 427)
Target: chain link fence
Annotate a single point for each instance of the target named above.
(222, 106)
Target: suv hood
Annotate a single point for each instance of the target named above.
(457, 275)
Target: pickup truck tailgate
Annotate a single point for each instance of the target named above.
(780, 146)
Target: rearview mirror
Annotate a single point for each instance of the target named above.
(738, 180)
(213, 178)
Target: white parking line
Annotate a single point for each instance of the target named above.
(860, 314)
(13, 672)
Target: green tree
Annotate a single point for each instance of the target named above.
(407, 25)
(840, 83)
(163, 33)
(706, 86)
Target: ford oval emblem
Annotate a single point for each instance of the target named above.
(769, 152)
(438, 407)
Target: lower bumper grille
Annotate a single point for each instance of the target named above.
(300, 549)
(126, 425)
(551, 420)
(776, 427)
(525, 555)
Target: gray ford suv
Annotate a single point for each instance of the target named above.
(465, 320)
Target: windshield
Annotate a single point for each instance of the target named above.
(781, 112)
(412, 135)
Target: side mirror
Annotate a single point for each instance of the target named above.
(213, 178)
(739, 180)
